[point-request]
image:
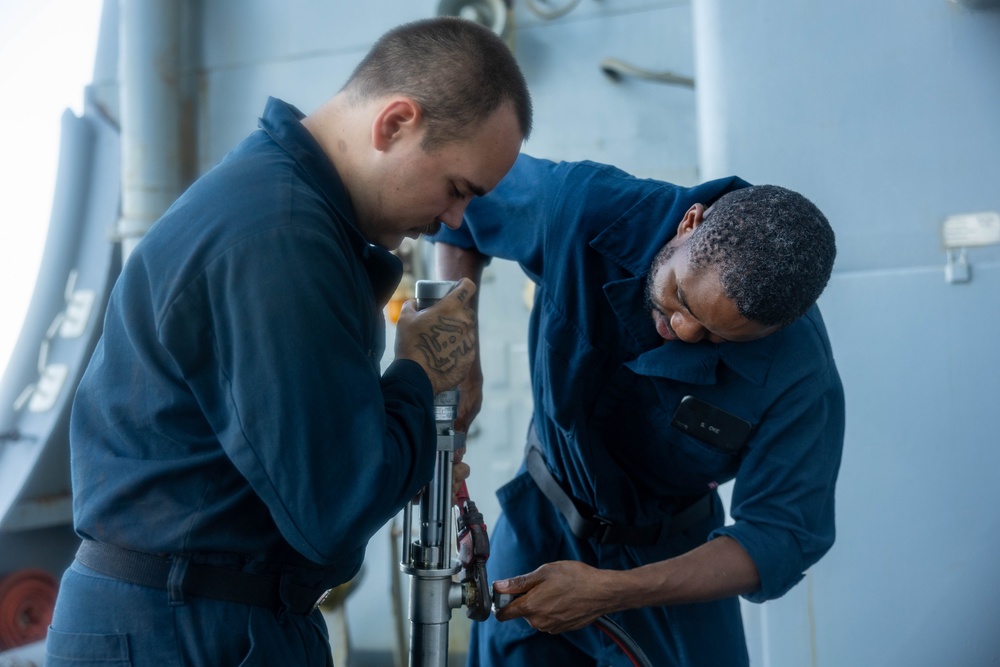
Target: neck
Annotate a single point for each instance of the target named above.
(342, 132)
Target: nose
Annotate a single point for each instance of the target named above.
(452, 216)
(687, 328)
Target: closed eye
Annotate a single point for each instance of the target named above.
(683, 301)
(476, 190)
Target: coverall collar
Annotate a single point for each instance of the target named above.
(281, 121)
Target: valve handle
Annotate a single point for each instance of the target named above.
(473, 552)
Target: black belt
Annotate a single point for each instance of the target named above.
(200, 580)
(598, 528)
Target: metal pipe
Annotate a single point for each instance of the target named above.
(150, 99)
(428, 560)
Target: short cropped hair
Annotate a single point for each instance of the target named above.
(774, 250)
(458, 71)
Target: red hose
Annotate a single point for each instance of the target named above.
(628, 645)
(27, 599)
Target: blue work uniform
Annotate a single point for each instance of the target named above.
(234, 414)
(606, 387)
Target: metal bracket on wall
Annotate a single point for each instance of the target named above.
(616, 70)
(957, 269)
(960, 232)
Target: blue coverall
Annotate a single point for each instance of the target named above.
(234, 413)
(605, 387)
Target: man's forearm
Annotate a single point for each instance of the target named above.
(567, 595)
(718, 569)
(454, 263)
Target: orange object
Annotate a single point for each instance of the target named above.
(394, 307)
(404, 292)
(27, 599)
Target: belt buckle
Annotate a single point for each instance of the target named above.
(321, 599)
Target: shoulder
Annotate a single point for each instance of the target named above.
(804, 352)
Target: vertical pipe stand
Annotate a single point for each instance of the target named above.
(428, 559)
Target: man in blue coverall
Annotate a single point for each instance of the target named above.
(234, 443)
(674, 345)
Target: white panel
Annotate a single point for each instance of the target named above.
(971, 229)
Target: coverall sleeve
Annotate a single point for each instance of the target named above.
(541, 210)
(276, 342)
(510, 222)
(783, 498)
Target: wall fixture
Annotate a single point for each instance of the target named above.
(960, 232)
(550, 14)
(616, 70)
(494, 14)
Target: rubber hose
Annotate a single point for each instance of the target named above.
(27, 599)
(624, 641)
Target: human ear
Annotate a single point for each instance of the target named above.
(692, 218)
(395, 119)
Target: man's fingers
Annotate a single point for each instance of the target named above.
(463, 290)
(519, 584)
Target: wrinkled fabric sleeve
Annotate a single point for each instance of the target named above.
(280, 365)
(542, 209)
(783, 498)
(511, 221)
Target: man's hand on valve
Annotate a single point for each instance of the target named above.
(559, 597)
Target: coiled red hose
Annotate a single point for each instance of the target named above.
(27, 599)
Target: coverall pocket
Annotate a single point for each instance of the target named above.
(81, 649)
